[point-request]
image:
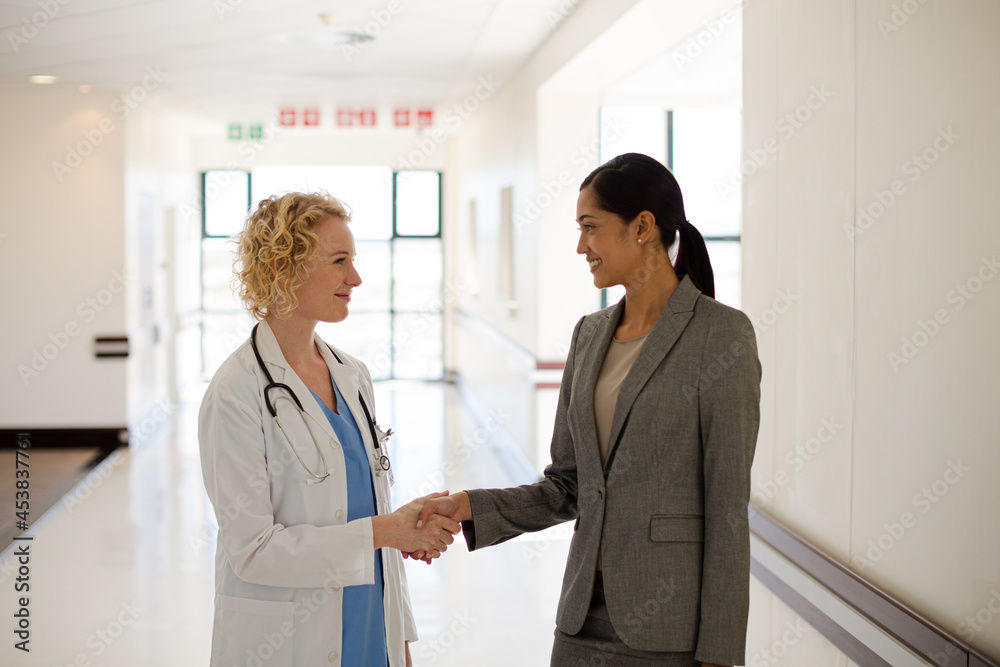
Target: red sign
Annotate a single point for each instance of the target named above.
(425, 117)
(401, 117)
(310, 116)
(286, 117)
(345, 117)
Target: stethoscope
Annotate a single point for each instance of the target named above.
(381, 462)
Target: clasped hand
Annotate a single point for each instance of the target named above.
(406, 531)
(440, 509)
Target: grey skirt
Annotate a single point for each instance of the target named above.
(598, 645)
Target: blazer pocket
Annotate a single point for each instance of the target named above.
(677, 528)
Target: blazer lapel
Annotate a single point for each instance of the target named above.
(668, 328)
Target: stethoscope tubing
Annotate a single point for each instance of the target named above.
(383, 459)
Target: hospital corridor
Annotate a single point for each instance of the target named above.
(433, 333)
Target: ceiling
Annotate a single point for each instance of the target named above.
(226, 56)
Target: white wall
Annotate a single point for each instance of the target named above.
(501, 145)
(838, 293)
(62, 246)
(160, 185)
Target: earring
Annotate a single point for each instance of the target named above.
(640, 240)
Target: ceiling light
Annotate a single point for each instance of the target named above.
(324, 38)
(329, 19)
(42, 78)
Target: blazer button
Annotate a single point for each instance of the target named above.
(338, 515)
(333, 657)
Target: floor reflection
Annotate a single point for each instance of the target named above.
(125, 576)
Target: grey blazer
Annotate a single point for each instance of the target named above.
(668, 510)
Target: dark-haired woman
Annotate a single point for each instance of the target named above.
(653, 441)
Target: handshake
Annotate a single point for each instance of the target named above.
(423, 529)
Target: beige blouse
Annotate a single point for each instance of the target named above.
(617, 362)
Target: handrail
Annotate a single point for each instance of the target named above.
(922, 636)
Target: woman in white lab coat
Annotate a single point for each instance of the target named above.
(308, 565)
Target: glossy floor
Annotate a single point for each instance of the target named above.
(121, 571)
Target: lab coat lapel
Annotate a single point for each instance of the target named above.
(592, 355)
(668, 328)
(282, 372)
(348, 381)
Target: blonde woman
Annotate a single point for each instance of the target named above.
(308, 564)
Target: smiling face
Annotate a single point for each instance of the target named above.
(330, 274)
(610, 246)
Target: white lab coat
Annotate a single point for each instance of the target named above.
(285, 548)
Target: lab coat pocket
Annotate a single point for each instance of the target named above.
(245, 627)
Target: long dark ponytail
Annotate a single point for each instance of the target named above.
(632, 183)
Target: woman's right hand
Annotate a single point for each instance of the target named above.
(398, 530)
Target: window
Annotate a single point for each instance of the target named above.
(396, 322)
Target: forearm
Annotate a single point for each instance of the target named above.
(498, 515)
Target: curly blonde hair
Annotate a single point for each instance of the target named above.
(279, 235)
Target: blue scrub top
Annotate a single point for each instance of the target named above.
(364, 617)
